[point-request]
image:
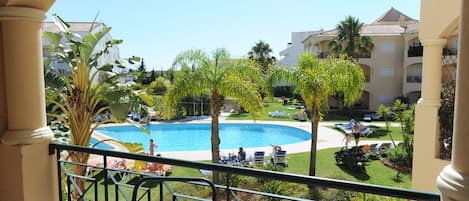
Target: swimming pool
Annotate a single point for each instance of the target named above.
(196, 137)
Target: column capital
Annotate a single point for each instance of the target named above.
(29, 136)
(452, 184)
(433, 41)
(22, 13)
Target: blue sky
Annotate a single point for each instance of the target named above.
(159, 30)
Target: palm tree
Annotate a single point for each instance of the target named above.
(349, 41)
(315, 81)
(217, 76)
(385, 112)
(260, 53)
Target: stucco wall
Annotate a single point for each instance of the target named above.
(386, 70)
(292, 52)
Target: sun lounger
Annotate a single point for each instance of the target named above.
(278, 114)
(280, 158)
(347, 128)
(259, 158)
(383, 147)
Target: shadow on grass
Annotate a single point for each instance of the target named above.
(147, 184)
(378, 132)
(357, 174)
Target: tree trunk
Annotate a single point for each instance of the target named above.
(79, 170)
(314, 139)
(214, 112)
(313, 191)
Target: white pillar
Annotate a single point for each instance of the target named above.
(24, 76)
(453, 181)
(426, 115)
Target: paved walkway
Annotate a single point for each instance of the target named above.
(327, 138)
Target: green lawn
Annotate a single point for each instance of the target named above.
(376, 172)
(380, 133)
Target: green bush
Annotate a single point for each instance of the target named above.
(276, 187)
(399, 156)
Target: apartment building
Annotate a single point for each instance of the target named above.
(294, 48)
(81, 29)
(393, 68)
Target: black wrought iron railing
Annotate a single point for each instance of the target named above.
(414, 79)
(415, 51)
(450, 51)
(143, 185)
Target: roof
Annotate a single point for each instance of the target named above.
(393, 16)
(391, 23)
(375, 29)
(74, 26)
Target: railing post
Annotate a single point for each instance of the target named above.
(69, 193)
(96, 189)
(161, 191)
(106, 195)
(149, 194)
(59, 172)
(228, 186)
(117, 192)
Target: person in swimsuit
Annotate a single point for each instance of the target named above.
(356, 131)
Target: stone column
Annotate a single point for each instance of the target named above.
(27, 171)
(426, 116)
(24, 75)
(453, 181)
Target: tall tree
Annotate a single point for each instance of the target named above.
(385, 112)
(349, 41)
(141, 75)
(315, 81)
(261, 53)
(217, 76)
(152, 76)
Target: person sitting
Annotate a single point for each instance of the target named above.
(241, 155)
(276, 148)
(161, 169)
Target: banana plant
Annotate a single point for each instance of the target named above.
(77, 98)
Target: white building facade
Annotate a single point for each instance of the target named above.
(81, 28)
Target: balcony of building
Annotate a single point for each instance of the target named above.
(450, 56)
(415, 51)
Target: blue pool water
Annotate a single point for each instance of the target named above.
(192, 137)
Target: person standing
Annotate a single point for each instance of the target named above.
(347, 139)
(153, 146)
(356, 131)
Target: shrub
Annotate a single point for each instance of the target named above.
(275, 187)
(399, 156)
